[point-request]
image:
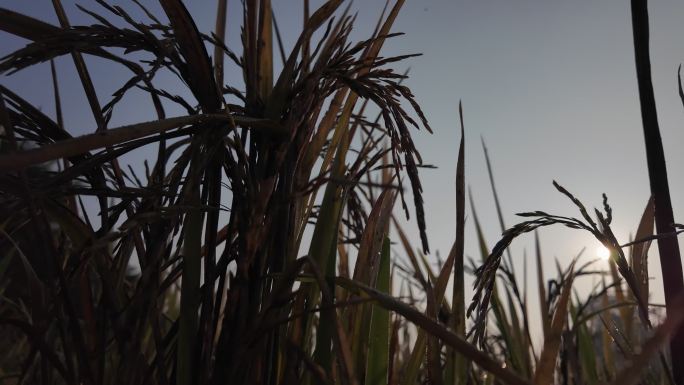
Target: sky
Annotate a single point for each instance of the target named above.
(549, 85)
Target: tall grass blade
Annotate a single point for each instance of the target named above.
(497, 203)
(436, 329)
(679, 84)
(625, 313)
(416, 359)
(220, 33)
(518, 348)
(541, 287)
(83, 144)
(662, 334)
(670, 257)
(377, 366)
(456, 365)
(411, 370)
(366, 270)
(526, 339)
(639, 251)
(265, 47)
(586, 350)
(544, 372)
(198, 73)
(323, 250)
(190, 294)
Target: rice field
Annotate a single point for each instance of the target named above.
(261, 238)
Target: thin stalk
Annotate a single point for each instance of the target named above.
(670, 259)
(459, 369)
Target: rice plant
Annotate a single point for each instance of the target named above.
(258, 243)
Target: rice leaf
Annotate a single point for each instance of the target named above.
(25, 26)
(199, 73)
(639, 251)
(265, 49)
(190, 294)
(220, 33)
(434, 328)
(544, 372)
(366, 270)
(456, 365)
(323, 250)
(586, 350)
(668, 247)
(662, 334)
(541, 283)
(377, 366)
(83, 144)
(606, 340)
(626, 314)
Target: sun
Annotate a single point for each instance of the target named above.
(602, 252)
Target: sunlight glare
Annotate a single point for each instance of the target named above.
(603, 253)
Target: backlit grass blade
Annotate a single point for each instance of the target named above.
(497, 204)
(458, 294)
(606, 340)
(586, 350)
(630, 375)
(367, 263)
(639, 251)
(265, 49)
(433, 367)
(411, 369)
(306, 49)
(508, 263)
(625, 313)
(418, 272)
(670, 256)
(544, 372)
(456, 365)
(338, 335)
(418, 352)
(541, 287)
(323, 250)
(83, 144)
(220, 33)
(377, 363)
(518, 348)
(436, 329)
(366, 270)
(679, 84)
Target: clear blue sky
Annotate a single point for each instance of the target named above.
(550, 85)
